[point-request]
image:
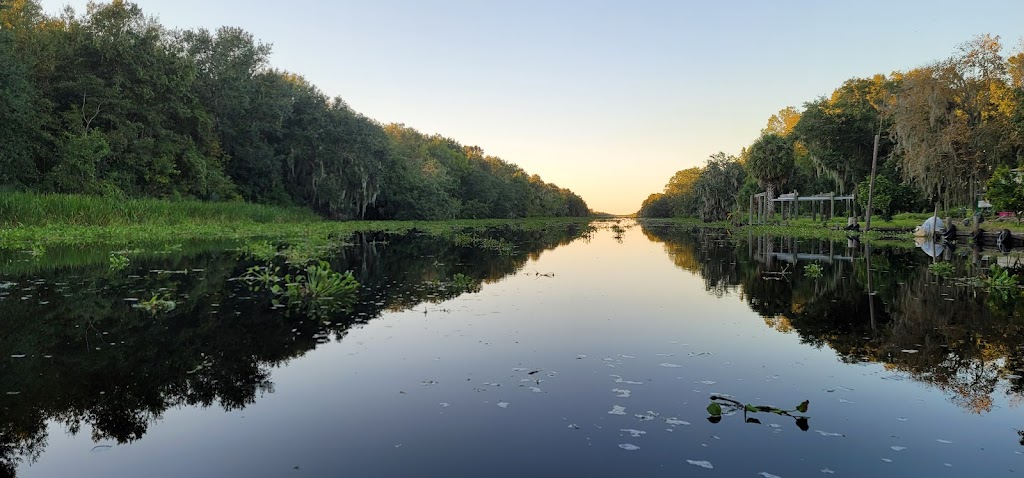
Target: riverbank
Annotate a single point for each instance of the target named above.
(899, 227)
(36, 221)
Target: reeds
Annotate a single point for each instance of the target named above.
(29, 209)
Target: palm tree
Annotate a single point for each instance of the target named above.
(770, 162)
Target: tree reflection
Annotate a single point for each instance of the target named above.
(81, 356)
(952, 337)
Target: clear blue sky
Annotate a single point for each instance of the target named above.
(608, 99)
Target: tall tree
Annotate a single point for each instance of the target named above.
(716, 188)
(1006, 190)
(838, 132)
(770, 162)
(952, 121)
(243, 108)
(23, 110)
(783, 122)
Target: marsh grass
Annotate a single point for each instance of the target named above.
(28, 209)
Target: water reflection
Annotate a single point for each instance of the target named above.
(79, 355)
(598, 359)
(870, 305)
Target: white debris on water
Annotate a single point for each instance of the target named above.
(535, 390)
(828, 471)
(618, 379)
(886, 460)
(898, 448)
(829, 434)
(674, 421)
(633, 432)
(617, 410)
(708, 382)
(503, 404)
(765, 474)
(701, 463)
(669, 365)
(445, 404)
(622, 392)
(646, 416)
(944, 441)
(629, 447)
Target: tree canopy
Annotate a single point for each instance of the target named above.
(944, 129)
(111, 102)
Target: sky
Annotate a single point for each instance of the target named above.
(608, 99)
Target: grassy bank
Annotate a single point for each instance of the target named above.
(33, 222)
(908, 221)
(801, 229)
(34, 210)
(898, 227)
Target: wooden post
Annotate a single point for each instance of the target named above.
(871, 185)
(751, 216)
(871, 291)
(796, 204)
(931, 237)
(832, 202)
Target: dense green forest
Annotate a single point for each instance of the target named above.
(112, 103)
(949, 132)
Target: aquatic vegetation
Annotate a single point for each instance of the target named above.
(942, 269)
(998, 279)
(311, 248)
(37, 249)
(500, 245)
(619, 231)
(118, 261)
(170, 249)
(156, 305)
(157, 235)
(720, 406)
(301, 252)
(262, 276)
(463, 283)
(321, 283)
(813, 270)
(318, 291)
(262, 251)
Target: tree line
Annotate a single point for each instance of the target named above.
(950, 132)
(111, 102)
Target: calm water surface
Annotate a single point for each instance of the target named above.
(579, 352)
